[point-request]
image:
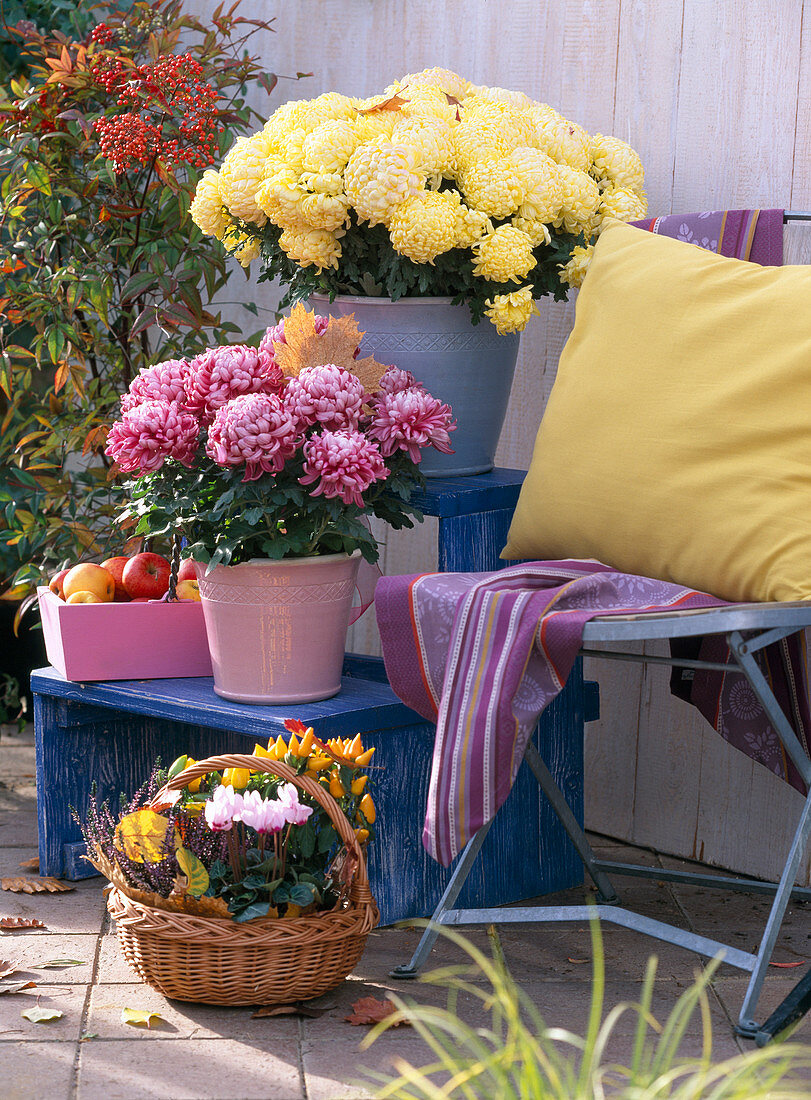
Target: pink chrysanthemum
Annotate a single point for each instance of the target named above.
(396, 380)
(344, 464)
(160, 382)
(275, 334)
(220, 374)
(151, 432)
(409, 420)
(254, 429)
(328, 396)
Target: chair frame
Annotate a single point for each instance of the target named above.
(748, 628)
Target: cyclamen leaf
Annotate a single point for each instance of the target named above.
(41, 1015)
(139, 1017)
(194, 871)
(142, 836)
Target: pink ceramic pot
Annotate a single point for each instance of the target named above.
(277, 629)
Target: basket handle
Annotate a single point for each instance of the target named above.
(360, 883)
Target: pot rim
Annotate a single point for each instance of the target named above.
(411, 299)
(308, 560)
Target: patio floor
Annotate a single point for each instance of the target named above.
(224, 1053)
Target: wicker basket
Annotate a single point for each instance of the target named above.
(216, 961)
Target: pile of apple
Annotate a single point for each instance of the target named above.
(138, 579)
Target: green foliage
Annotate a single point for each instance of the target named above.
(65, 16)
(518, 1057)
(103, 271)
(370, 266)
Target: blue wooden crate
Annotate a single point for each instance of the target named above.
(113, 732)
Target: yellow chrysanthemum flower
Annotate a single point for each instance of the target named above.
(292, 150)
(312, 247)
(536, 230)
(512, 126)
(280, 197)
(242, 246)
(471, 225)
(431, 139)
(574, 272)
(565, 142)
(504, 95)
(207, 210)
(329, 146)
(511, 312)
(376, 126)
(329, 106)
(448, 81)
(615, 162)
(543, 190)
(580, 201)
(493, 186)
(240, 176)
(424, 226)
(285, 118)
(324, 211)
(378, 177)
(504, 256)
(324, 183)
(622, 203)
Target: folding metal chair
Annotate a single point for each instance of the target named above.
(747, 628)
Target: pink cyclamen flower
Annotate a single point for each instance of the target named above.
(396, 380)
(223, 808)
(294, 811)
(344, 464)
(275, 334)
(409, 420)
(151, 432)
(254, 430)
(220, 374)
(326, 395)
(266, 815)
(160, 382)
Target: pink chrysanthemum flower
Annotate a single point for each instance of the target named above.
(396, 380)
(328, 396)
(160, 382)
(409, 420)
(254, 429)
(220, 374)
(275, 334)
(151, 432)
(344, 464)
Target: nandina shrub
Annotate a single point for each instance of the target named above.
(102, 270)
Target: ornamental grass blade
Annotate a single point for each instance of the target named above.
(53, 964)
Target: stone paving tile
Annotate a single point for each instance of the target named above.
(16, 760)
(67, 999)
(337, 1069)
(30, 949)
(81, 910)
(18, 816)
(206, 1069)
(11, 857)
(38, 1071)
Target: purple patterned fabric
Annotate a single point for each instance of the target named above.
(755, 235)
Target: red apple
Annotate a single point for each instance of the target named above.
(55, 583)
(186, 571)
(115, 567)
(146, 575)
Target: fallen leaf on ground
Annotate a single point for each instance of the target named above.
(139, 1017)
(11, 924)
(88, 1035)
(16, 987)
(297, 1008)
(369, 1010)
(571, 960)
(22, 885)
(29, 864)
(786, 966)
(7, 968)
(42, 1015)
(56, 963)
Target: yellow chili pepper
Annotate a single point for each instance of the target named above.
(293, 745)
(336, 787)
(362, 835)
(306, 744)
(356, 747)
(364, 757)
(316, 763)
(194, 786)
(236, 777)
(358, 784)
(280, 746)
(367, 808)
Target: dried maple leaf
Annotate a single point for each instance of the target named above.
(29, 864)
(304, 347)
(7, 968)
(35, 885)
(11, 924)
(369, 1010)
(393, 103)
(16, 987)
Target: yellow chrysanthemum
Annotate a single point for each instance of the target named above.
(324, 183)
(312, 247)
(293, 148)
(574, 272)
(543, 190)
(622, 203)
(207, 210)
(240, 176)
(512, 125)
(536, 230)
(504, 256)
(580, 201)
(511, 312)
(280, 196)
(504, 95)
(615, 162)
(432, 141)
(565, 142)
(493, 186)
(379, 176)
(471, 225)
(324, 211)
(285, 118)
(243, 246)
(328, 107)
(424, 226)
(376, 126)
(427, 102)
(448, 81)
(329, 146)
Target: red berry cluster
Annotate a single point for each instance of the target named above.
(102, 35)
(170, 97)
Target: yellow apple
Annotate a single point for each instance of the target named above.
(188, 590)
(84, 597)
(88, 577)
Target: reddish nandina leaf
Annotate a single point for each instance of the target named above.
(369, 1010)
(11, 924)
(293, 725)
(394, 103)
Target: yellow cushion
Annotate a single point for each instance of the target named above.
(677, 439)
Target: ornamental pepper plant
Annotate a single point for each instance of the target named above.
(239, 843)
(102, 141)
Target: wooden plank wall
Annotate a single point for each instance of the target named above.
(714, 95)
